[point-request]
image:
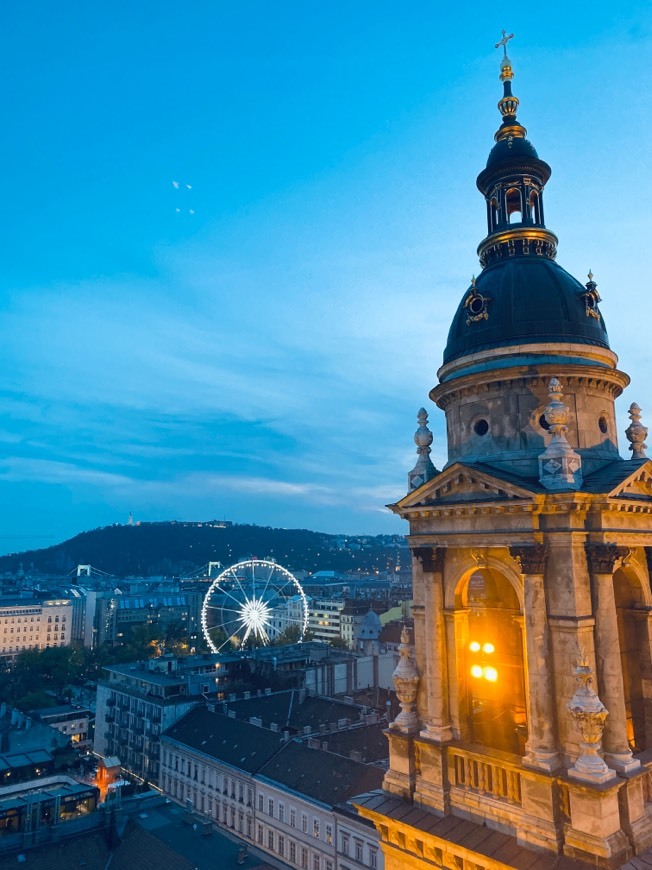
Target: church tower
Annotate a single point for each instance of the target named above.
(526, 691)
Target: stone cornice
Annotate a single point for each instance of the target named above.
(604, 359)
(599, 379)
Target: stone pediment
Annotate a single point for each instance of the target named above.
(461, 483)
(638, 485)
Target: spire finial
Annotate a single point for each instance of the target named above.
(636, 433)
(424, 469)
(504, 42)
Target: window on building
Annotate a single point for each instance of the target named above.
(259, 835)
(241, 792)
(373, 858)
(329, 865)
(304, 858)
(293, 852)
(358, 850)
(270, 806)
(315, 828)
(293, 817)
(250, 797)
(345, 844)
(304, 823)
(261, 802)
(249, 827)
(281, 812)
(315, 862)
(270, 840)
(328, 835)
(281, 845)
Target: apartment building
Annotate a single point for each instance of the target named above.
(29, 623)
(137, 702)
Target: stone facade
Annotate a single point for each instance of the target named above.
(525, 584)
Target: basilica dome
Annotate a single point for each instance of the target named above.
(526, 300)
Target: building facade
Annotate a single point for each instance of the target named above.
(527, 702)
(137, 702)
(271, 791)
(27, 623)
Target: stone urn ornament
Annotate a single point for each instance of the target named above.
(636, 433)
(406, 682)
(589, 714)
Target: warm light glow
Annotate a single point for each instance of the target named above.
(488, 648)
(476, 671)
(474, 646)
(491, 674)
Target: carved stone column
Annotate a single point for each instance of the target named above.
(438, 726)
(541, 747)
(601, 559)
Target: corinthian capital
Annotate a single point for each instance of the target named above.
(602, 558)
(530, 557)
(431, 558)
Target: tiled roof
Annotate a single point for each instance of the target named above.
(287, 709)
(462, 832)
(319, 775)
(369, 740)
(234, 742)
(602, 480)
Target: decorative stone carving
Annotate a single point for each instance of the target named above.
(589, 715)
(602, 558)
(431, 558)
(406, 682)
(424, 470)
(591, 298)
(531, 558)
(636, 433)
(560, 467)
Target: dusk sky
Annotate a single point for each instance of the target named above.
(234, 235)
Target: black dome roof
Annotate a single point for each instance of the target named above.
(511, 149)
(531, 300)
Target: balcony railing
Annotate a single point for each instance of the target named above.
(487, 776)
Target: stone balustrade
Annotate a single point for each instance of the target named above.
(495, 778)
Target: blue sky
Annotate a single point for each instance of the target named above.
(256, 346)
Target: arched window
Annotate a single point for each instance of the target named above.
(514, 206)
(493, 711)
(635, 659)
(535, 214)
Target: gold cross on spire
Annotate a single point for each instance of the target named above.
(504, 41)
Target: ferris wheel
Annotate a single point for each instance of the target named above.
(253, 603)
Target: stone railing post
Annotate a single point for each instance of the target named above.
(541, 747)
(601, 559)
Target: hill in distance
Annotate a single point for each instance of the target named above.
(179, 548)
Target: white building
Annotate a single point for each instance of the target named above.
(207, 764)
(27, 623)
(272, 791)
(324, 621)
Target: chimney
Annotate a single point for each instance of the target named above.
(268, 691)
(273, 726)
(286, 736)
(354, 755)
(307, 730)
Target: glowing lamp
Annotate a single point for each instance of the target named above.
(476, 671)
(491, 674)
(474, 646)
(488, 648)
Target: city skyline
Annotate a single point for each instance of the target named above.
(235, 239)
